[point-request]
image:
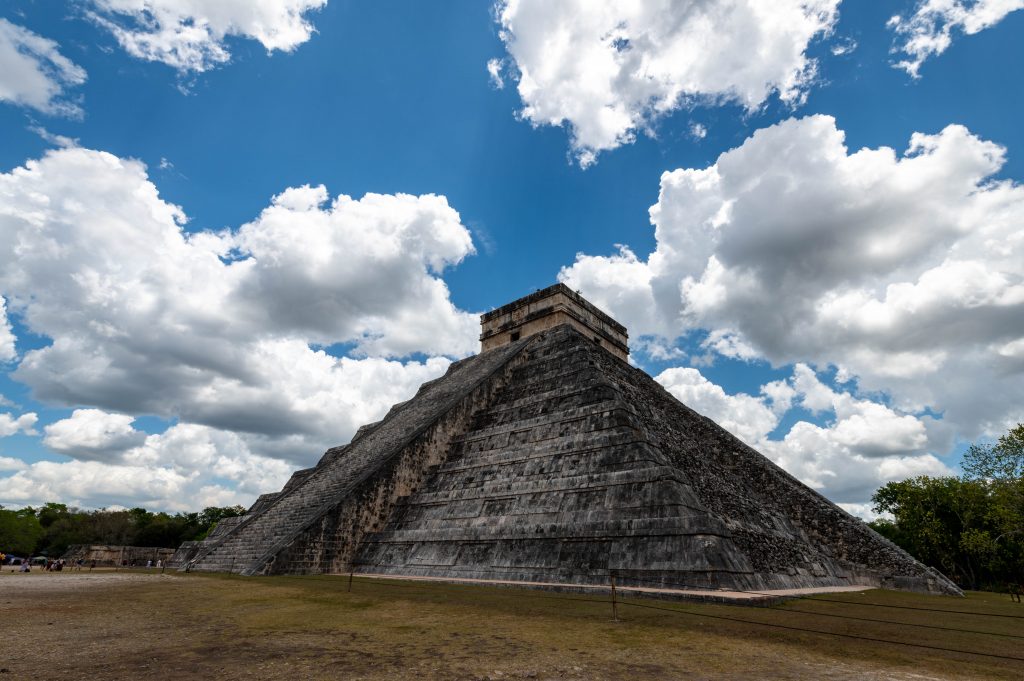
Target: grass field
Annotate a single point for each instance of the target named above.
(109, 625)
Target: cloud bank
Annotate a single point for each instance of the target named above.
(608, 69)
(227, 332)
(186, 467)
(905, 271)
(862, 445)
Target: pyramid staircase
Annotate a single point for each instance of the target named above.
(549, 459)
(254, 543)
(555, 481)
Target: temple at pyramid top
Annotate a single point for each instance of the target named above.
(546, 309)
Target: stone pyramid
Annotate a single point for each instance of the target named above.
(547, 458)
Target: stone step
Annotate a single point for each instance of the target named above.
(550, 403)
(581, 444)
(568, 433)
(435, 519)
(574, 576)
(603, 530)
(506, 487)
(569, 412)
(525, 463)
(294, 510)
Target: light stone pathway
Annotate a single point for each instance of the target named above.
(702, 594)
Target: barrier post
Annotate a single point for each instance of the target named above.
(615, 605)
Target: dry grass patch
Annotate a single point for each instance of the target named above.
(200, 626)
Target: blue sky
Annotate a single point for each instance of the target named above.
(776, 206)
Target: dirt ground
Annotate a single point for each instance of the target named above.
(118, 625)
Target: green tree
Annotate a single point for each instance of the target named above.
(20, 531)
(51, 513)
(938, 520)
(1001, 465)
(972, 527)
(212, 515)
(54, 527)
(1001, 462)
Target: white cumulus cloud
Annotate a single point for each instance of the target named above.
(862, 445)
(34, 73)
(905, 271)
(9, 463)
(186, 467)
(607, 69)
(226, 330)
(92, 434)
(748, 418)
(9, 424)
(930, 29)
(189, 35)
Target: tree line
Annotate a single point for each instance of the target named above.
(971, 527)
(50, 529)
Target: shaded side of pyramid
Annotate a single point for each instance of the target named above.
(583, 466)
(547, 459)
(315, 522)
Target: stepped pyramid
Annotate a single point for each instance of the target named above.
(547, 458)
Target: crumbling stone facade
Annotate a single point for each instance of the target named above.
(550, 459)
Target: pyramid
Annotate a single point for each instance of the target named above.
(548, 459)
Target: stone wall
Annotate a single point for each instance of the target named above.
(106, 555)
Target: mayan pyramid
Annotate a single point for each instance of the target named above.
(547, 458)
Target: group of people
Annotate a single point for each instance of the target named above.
(50, 565)
(61, 564)
(149, 563)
